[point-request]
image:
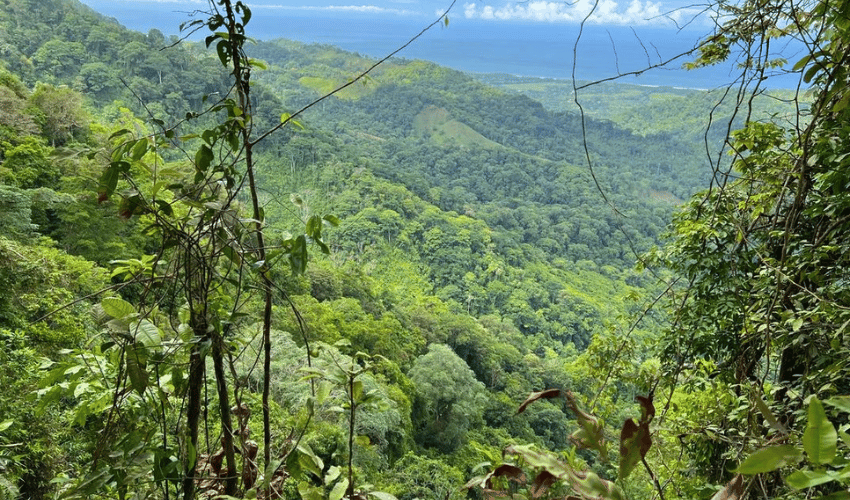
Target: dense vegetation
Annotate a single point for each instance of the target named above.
(375, 285)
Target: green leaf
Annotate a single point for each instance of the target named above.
(6, 424)
(221, 48)
(287, 118)
(840, 402)
(323, 391)
(139, 149)
(203, 158)
(380, 495)
(820, 437)
(338, 490)
(807, 478)
(147, 333)
(331, 219)
(309, 461)
(309, 492)
(314, 227)
(768, 415)
(357, 389)
(539, 459)
(119, 133)
(117, 308)
(298, 255)
(81, 388)
(136, 371)
(109, 181)
(769, 459)
(333, 473)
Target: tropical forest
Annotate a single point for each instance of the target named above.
(237, 268)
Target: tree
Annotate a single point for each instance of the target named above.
(59, 111)
(764, 251)
(449, 400)
(144, 383)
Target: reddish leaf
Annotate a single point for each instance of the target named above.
(547, 394)
(731, 491)
(590, 435)
(512, 472)
(634, 444)
(647, 409)
(542, 483)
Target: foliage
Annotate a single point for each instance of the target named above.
(482, 239)
(819, 443)
(555, 475)
(762, 254)
(449, 401)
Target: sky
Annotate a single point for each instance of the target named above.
(661, 13)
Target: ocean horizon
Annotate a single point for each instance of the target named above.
(542, 50)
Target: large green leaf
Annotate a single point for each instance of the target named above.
(807, 478)
(769, 459)
(117, 308)
(338, 490)
(136, 370)
(820, 437)
(147, 333)
(380, 495)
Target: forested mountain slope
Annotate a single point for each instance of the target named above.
(458, 228)
(437, 250)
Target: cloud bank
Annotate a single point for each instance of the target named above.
(637, 12)
(366, 9)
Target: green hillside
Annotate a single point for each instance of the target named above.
(446, 238)
(200, 304)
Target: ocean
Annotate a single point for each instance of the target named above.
(525, 49)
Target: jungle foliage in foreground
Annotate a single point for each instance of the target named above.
(376, 286)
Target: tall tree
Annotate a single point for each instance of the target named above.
(765, 251)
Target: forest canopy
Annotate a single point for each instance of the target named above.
(229, 272)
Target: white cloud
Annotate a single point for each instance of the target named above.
(368, 9)
(193, 2)
(605, 12)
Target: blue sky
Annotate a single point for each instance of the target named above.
(655, 13)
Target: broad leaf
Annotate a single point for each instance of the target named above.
(840, 402)
(380, 495)
(820, 437)
(590, 486)
(338, 490)
(147, 333)
(539, 459)
(591, 433)
(634, 444)
(769, 459)
(203, 158)
(136, 371)
(807, 478)
(541, 484)
(117, 308)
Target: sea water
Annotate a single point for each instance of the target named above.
(546, 50)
